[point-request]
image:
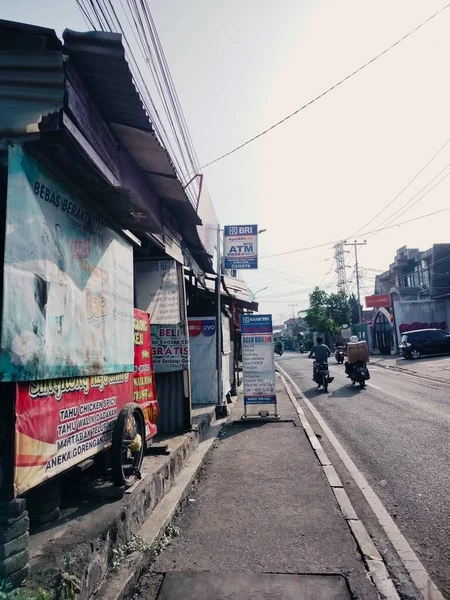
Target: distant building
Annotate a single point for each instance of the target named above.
(418, 284)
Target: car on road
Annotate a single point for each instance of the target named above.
(424, 342)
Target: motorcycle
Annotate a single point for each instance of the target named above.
(322, 375)
(358, 373)
(339, 355)
(279, 350)
(301, 348)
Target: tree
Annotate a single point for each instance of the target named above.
(328, 313)
(339, 310)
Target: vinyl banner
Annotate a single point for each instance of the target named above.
(68, 283)
(203, 346)
(170, 348)
(258, 362)
(157, 291)
(61, 422)
(240, 246)
(144, 390)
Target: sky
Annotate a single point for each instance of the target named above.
(240, 66)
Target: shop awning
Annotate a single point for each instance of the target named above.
(231, 289)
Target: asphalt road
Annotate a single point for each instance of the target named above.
(397, 431)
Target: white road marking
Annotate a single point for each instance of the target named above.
(375, 386)
(415, 568)
(374, 562)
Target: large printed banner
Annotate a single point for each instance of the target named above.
(144, 389)
(240, 246)
(157, 290)
(203, 346)
(170, 348)
(61, 422)
(68, 283)
(258, 363)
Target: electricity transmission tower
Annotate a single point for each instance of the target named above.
(339, 256)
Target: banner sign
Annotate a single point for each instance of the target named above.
(240, 247)
(68, 283)
(170, 348)
(61, 422)
(144, 390)
(203, 345)
(258, 362)
(378, 301)
(157, 290)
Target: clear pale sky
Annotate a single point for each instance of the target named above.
(240, 65)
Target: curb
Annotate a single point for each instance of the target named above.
(417, 572)
(374, 563)
(410, 373)
(121, 583)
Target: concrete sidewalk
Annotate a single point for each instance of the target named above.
(262, 505)
(436, 368)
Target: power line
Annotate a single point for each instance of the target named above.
(390, 221)
(401, 191)
(327, 91)
(373, 231)
(407, 205)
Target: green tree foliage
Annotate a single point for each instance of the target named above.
(355, 312)
(328, 312)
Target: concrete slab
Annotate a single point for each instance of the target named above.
(90, 530)
(252, 586)
(263, 505)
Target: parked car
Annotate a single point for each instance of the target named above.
(424, 342)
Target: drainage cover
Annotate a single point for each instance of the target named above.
(252, 586)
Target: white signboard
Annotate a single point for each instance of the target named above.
(157, 291)
(258, 363)
(240, 246)
(170, 347)
(203, 343)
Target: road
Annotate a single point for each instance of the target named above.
(397, 431)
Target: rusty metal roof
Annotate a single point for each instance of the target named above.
(31, 77)
(99, 58)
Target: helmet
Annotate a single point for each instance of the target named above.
(353, 339)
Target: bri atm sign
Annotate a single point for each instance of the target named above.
(240, 246)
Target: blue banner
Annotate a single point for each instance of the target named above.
(68, 283)
(240, 246)
(258, 363)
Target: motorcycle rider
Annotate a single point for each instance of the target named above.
(349, 367)
(321, 352)
(279, 347)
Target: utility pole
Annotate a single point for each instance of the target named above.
(220, 407)
(340, 267)
(293, 311)
(355, 245)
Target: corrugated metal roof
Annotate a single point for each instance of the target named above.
(152, 158)
(99, 58)
(31, 77)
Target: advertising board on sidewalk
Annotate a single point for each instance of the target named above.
(258, 362)
(61, 422)
(240, 247)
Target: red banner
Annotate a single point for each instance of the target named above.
(61, 422)
(144, 391)
(378, 301)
